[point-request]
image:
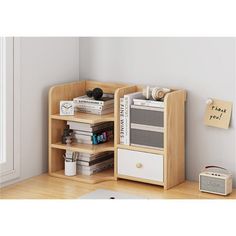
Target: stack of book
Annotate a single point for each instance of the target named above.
(92, 134)
(98, 107)
(89, 164)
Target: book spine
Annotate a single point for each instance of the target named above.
(149, 103)
(78, 126)
(122, 121)
(93, 106)
(126, 120)
(87, 101)
(96, 166)
(100, 169)
(82, 141)
(83, 137)
(92, 157)
(102, 126)
(95, 161)
(91, 111)
(82, 133)
(83, 163)
(102, 137)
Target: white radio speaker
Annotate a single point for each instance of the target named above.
(215, 179)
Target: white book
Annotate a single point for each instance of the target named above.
(96, 170)
(90, 157)
(97, 160)
(122, 110)
(83, 132)
(84, 137)
(151, 103)
(87, 100)
(82, 141)
(100, 169)
(128, 100)
(78, 126)
(93, 106)
(94, 167)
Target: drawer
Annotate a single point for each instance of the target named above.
(145, 116)
(140, 165)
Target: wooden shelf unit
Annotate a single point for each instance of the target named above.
(174, 137)
(173, 152)
(57, 124)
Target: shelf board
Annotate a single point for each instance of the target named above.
(140, 180)
(93, 179)
(141, 149)
(85, 118)
(86, 148)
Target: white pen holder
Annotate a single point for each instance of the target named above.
(70, 168)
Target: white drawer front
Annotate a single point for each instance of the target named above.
(140, 165)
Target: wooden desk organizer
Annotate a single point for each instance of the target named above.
(174, 125)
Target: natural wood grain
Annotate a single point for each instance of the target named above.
(118, 94)
(55, 127)
(86, 148)
(149, 181)
(93, 179)
(57, 124)
(85, 118)
(64, 92)
(141, 149)
(57, 160)
(48, 187)
(174, 141)
(173, 151)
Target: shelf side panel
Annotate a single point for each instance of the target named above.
(64, 92)
(57, 160)
(174, 138)
(119, 94)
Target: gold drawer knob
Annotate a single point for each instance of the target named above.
(139, 165)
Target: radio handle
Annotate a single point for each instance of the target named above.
(208, 167)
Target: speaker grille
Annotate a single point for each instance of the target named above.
(212, 184)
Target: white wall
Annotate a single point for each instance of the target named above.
(205, 67)
(44, 62)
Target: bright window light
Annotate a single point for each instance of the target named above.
(2, 99)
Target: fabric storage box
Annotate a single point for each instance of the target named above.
(147, 126)
(144, 115)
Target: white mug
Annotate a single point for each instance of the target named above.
(70, 168)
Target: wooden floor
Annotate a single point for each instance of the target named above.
(47, 187)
